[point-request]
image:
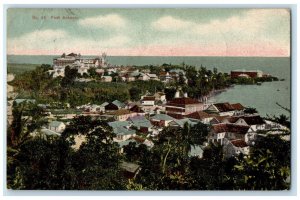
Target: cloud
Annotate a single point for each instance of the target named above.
(57, 41)
(169, 23)
(104, 21)
(266, 27)
(38, 39)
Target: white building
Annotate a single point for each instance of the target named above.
(56, 126)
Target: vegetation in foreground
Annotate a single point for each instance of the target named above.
(36, 163)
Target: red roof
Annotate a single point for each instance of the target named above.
(237, 106)
(239, 143)
(182, 101)
(250, 120)
(137, 109)
(231, 119)
(149, 98)
(199, 115)
(224, 107)
(232, 128)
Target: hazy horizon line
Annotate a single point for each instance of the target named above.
(254, 56)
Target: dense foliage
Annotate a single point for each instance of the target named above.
(58, 163)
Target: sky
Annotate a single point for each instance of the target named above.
(149, 32)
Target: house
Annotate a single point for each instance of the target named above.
(165, 77)
(82, 70)
(102, 106)
(226, 108)
(148, 100)
(236, 147)
(239, 109)
(106, 79)
(152, 77)
(115, 105)
(182, 106)
(197, 151)
(122, 130)
(45, 134)
(57, 71)
(181, 122)
(137, 140)
(56, 126)
(18, 101)
(229, 131)
(161, 120)
(100, 71)
(248, 73)
(202, 116)
(254, 121)
(141, 123)
(96, 108)
(143, 77)
(217, 119)
(65, 113)
(128, 78)
(137, 109)
(122, 114)
(160, 97)
(130, 170)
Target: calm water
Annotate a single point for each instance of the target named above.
(262, 97)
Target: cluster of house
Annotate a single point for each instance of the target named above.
(142, 121)
(173, 75)
(105, 70)
(242, 73)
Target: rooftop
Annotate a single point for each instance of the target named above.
(163, 117)
(224, 107)
(232, 128)
(118, 103)
(182, 101)
(55, 123)
(130, 167)
(239, 143)
(199, 115)
(148, 98)
(140, 121)
(49, 132)
(120, 112)
(244, 70)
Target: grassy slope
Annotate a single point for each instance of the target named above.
(20, 68)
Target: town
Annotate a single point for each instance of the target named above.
(147, 115)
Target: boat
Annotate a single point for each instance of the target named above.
(258, 83)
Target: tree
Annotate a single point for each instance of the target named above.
(70, 75)
(27, 118)
(92, 73)
(250, 110)
(170, 93)
(135, 93)
(267, 167)
(97, 160)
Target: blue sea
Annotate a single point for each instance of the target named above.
(263, 97)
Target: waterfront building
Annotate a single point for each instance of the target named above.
(246, 73)
(180, 107)
(225, 109)
(73, 59)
